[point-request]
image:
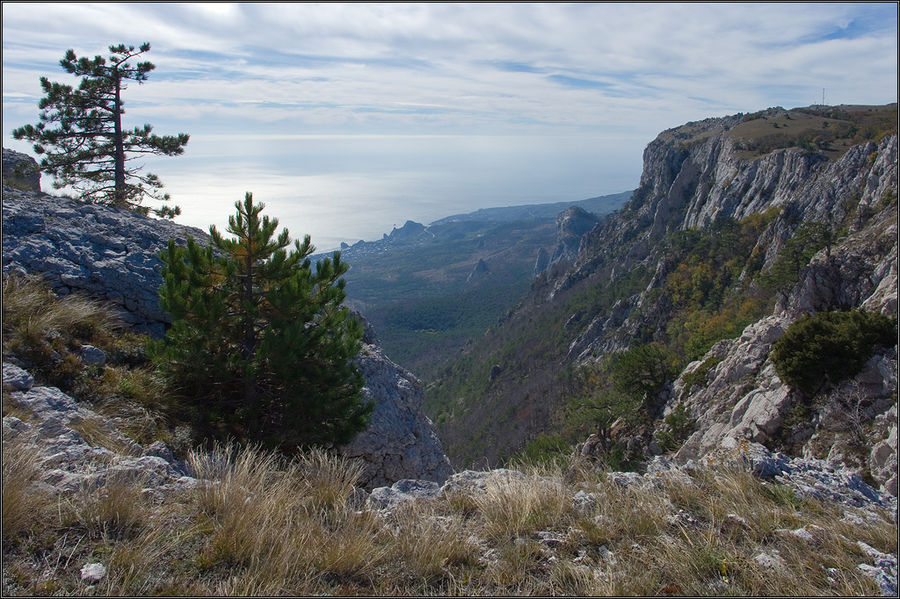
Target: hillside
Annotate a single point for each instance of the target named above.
(430, 290)
(733, 234)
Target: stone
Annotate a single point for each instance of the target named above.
(770, 560)
(549, 539)
(21, 171)
(682, 519)
(584, 502)
(471, 482)
(733, 523)
(883, 457)
(93, 573)
(92, 356)
(400, 441)
(161, 450)
(626, 479)
(15, 378)
(388, 498)
(886, 583)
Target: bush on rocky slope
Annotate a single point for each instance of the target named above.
(829, 347)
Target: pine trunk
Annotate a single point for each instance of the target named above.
(121, 199)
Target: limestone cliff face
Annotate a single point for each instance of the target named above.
(112, 255)
(697, 173)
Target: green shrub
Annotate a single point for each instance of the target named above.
(261, 346)
(829, 347)
(679, 426)
(544, 449)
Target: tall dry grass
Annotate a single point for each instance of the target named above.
(114, 510)
(31, 312)
(260, 524)
(22, 501)
(513, 507)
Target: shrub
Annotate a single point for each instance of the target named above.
(829, 347)
(260, 343)
(679, 426)
(544, 449)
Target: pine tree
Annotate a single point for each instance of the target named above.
(81, 137)
(260, 344)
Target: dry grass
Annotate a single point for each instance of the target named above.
(513, 507)
(263, 525)
(98, 432)
(115, 510)
(22, 502)
(31, 312)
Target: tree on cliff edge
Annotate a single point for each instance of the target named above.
(260, 344)
(81, 137)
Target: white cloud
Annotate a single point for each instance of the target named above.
(581, 69)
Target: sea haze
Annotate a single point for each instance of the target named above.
(345, 188)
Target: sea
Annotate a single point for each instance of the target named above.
(346, 188)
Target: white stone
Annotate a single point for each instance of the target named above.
(93, 573)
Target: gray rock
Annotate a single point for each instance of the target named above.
(20, 171)
(886, 582)
(108, 254)
(92, 356)
(400, 441)
(584, 502)
(68, 461)
(93, 573)
(388, 498)
(161, 450)
(471, 482)
(15, 378)
(883, 457)
(771, 560)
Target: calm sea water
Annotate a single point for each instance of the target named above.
(347, 188)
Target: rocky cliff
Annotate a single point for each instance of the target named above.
(111, 255)
(696, 174)
(832, 167)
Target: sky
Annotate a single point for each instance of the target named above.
(346, 120)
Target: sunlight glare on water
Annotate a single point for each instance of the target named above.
(347, 188)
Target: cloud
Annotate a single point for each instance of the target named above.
(500, 66)
(609, 73)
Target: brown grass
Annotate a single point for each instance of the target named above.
(31, 312)
(259, 524)
(22, 502)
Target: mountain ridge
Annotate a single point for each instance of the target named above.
(620, 290)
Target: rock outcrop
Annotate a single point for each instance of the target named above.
(20, 171)
(73, 442)
(400, 441)
(112, 255)
(571, 225)
(108, 254)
